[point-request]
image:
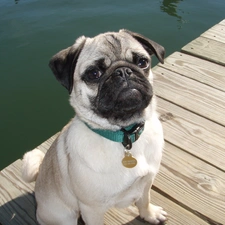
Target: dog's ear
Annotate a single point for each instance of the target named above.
(150, 46)
(64, 62)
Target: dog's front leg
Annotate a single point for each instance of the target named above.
(92, 215)
(149, 212)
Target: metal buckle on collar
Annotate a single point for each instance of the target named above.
(132, 135)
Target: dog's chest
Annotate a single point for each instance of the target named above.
(97, 173)
(108, 181)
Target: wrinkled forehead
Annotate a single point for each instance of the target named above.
(110, 47)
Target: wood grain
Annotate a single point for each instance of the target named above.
(193, 183)
(216, 33)
(17, 205)
(197, 69)
(21, 210)
(196, 135)
(194, 96)
(177, 215)
(206, 48)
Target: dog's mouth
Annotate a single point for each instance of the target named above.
(128, 100)
(123, 96)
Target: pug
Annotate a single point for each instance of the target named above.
(110, 152)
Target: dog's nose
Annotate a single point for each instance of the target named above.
(123, 72)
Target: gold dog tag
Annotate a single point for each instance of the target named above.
(129, 161)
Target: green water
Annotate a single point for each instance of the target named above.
(33, 104)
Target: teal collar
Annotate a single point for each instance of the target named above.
(126, 136)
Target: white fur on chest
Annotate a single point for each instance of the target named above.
(95, 164)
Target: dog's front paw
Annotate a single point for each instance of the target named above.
(153, 214)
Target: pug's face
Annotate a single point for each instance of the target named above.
(108, 77)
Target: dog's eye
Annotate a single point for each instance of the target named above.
(143, 63)
(93, 74)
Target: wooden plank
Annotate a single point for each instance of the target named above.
(194, 184)
(17, 202)
(206, 49)
(222, 22)
(201, 70)
(216, 33)
(177, 215)
(196, 135)
(189, 94)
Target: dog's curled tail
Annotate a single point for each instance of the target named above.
(31, 163)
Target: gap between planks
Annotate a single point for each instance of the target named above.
(177, 214)
(203, 71)
(189, 94)
(18, 193)
(193, 183)
(209, 45)
(198, 136)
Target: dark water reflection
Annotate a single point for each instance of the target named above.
(171, 8)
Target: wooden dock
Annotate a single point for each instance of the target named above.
(191, 183)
